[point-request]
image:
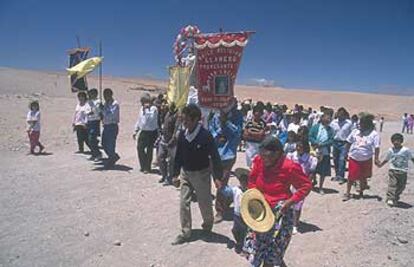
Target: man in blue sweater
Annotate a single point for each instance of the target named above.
(226, 128)
(195, 149)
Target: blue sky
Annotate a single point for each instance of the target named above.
(358, 45)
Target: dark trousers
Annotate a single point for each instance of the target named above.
(221, 204)
(339, 156)
(239, 230)
(166, 156)
(396, 184)
(145, 147)
(82, 136)
(109, 135)
(94, 130)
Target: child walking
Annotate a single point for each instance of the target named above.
(80, 121)
(398, 156)
(33, 127)
(233, 194)
(308, 163)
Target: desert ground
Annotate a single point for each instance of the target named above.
(59, 209)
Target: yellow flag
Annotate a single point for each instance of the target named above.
(85, 67)
(178, 85)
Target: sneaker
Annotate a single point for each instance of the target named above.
(162, 180)
(180, 239)
(92, 158)
(218, 218)
(342, 181)
(390, 203)
(295, 230)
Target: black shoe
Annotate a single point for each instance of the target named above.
(342, 181)
(162, 180)
(116, 158)
(180, 239)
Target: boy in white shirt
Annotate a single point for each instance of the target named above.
(398, 156)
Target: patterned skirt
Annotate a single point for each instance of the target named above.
(270, 247)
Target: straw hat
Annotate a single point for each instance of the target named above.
(256, 212)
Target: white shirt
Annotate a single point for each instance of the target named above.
(111, 113)
(306, 161)
(93, 110)
(363, 147)
(33, 116)
(237, 195)
(399, 158)
(148, 119)
(293, 127)
(80, 117)
(341, 129)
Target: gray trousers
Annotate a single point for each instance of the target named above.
(396, 184)
(200, 183)
(166, 156)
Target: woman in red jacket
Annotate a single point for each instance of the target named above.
(273, 174)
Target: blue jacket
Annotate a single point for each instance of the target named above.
(231, 130)
(313, 136)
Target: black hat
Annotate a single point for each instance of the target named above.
(271, 143)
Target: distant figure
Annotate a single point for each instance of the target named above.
(94, 123)
(80, 121)
(381, 124)
(342, 128)
(363, 145)
(33, 127)
(290, 145)
(321, 138)
(410, 124)
(405, 123)
(146, 130)
(110, 113)
(398, 156)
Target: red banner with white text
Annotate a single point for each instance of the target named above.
(217, 63)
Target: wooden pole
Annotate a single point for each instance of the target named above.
(78, 41)
(100, 72)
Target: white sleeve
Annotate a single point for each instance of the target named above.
(389, 155)
(377, 140)
(351, 138)
(314, 163)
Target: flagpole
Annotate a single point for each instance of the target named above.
(100, 72)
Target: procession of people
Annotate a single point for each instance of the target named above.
(288, 152)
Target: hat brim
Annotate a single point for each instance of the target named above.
(268, 220)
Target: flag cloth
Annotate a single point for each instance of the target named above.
(76, 56)
(178, 85)
(217, 63)
(85, 67)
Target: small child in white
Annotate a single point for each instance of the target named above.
(308, 163)
(234, 194)
(398, 156)
(33, 127)
(290, 145)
